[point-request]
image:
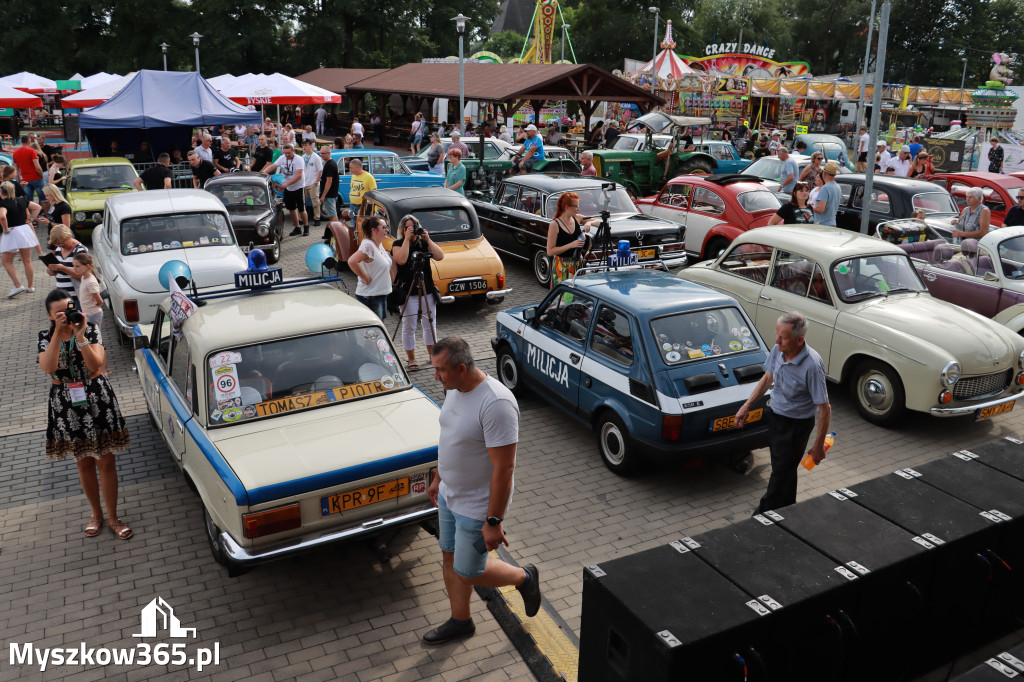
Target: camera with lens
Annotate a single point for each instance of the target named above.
(72, 314)
(417, 231)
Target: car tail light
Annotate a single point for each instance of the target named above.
(671, 426)
(131, 311)
(945, 397)
(271, 521)
(501, 280)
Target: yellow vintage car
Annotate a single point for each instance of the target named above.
(471, 267)
(290, 415)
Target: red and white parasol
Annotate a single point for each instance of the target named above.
(95, 96)
(29, 82)
(276, 88)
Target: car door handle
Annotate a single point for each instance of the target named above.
(764, 298)
(573, 358)
(929, 276)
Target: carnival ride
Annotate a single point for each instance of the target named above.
(537, 48)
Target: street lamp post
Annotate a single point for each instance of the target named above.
(565, 27)
(963, 77)
(864, 69)
(195, 41)
(163, 48)
(460, 26)
(654, 57)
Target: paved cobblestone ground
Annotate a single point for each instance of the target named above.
(337, 613)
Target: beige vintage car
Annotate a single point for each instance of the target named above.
(292, 418)
(873, 322)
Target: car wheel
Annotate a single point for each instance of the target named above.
(212, 533)
(509, 372)
(878, 393)
(542, 268)
(701, 166)
(274, 254)
(614, 445)
(715, 247)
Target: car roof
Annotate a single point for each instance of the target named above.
(821, 242)
(1002, 234)
(163, 202)
(739, 182)
(363, 152)
(423, 197)
(983, 176)
(100, 161)
(811, 138)
(649, 293)
(267, 315)
(547, 183)
(244, 176)
(892, 181)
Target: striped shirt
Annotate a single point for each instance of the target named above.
(65, 281)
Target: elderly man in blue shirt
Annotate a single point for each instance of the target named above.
(796, 374)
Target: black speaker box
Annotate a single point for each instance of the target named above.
(890, 612)
(1002, 454)
(1006, 665)
(663, 614)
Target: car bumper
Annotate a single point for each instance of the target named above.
(736, 441)
(247, 557)
(971, 409)
(492, 296)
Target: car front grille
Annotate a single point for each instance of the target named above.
(981, 385)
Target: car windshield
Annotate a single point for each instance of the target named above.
(592, 201)
(934, 202)
(102, 178)
(1011, 253)
(240, 195)
(766, 168)
(859, 278)
(446, 224)
(278, 377)
(758, 200)
(686, 337)
(627, 142)
(183, 231)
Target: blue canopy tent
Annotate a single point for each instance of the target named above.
(161, 108)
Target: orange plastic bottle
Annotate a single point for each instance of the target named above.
(808, 461)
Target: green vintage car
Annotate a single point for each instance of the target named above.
(89, 183)
(635, 164)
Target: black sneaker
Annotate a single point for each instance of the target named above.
(305, 231)
(448, 631)
(531, 591)
(296, 232)
(316, 223)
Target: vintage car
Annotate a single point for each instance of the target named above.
(88, 185)
(873, 322)
(142, 231)
(769, 170)
(516, 221)
(984, 275)
(641, 172)
(725, 155)
(309, 430)
(831, 146)
(656, 366)
(894, 198)
(493, 149)
(1000, 190)
(256, 212)
(385, 167)
(713, 208)
(470, 266)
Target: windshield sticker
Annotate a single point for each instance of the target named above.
(672, 356)
(142, 248)
(389, 358)
(249, 411)
(232, 415)
(204, 240)
(157, 246)
(744, 331)
(694, 353)
(748, 342)
(705, 349)
(851, 291)
(735, 345)
(735, 331)
(215, 416)
(299, 402)
(225, 358)
(666, 346)
(843, 269)
(175, 244)
(225, 380)
(188, 244)
(382, 344)
(387, 382)
(230, 402)
(716, 349)
(134, 249)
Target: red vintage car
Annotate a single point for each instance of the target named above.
(1000, 190)
(714, 208)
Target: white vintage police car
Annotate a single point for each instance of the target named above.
(656, 366)
(290, 415)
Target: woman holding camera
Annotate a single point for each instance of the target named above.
(83, 419)
(565, 237)
(409, 252)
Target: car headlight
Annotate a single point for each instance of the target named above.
(950, 373)
(79, 215)
(97, 217)
(1020, 360)
(263, 229)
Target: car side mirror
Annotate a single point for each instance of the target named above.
(991, 277)
(530, 313)
(139, 342)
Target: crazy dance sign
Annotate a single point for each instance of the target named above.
(748, 65)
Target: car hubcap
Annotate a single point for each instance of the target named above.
(509, 374)
(612, 443)
(541, 268)
(875, 393)
(211, 531)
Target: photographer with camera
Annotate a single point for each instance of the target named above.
(83, 418)
(415, 285)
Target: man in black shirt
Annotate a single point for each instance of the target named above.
(262, 155)
(225, 158)
(158, 176)
(1015, 216)
(201, 170)
(328, 186)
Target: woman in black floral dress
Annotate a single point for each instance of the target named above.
(83, 418)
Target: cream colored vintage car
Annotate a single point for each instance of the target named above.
(291, 416)
(873, 322)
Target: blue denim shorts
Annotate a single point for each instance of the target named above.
(456, 535)
(329, 207)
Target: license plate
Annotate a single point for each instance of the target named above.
(467, 285)
(646, 253)
(993, 410)
(725, 423)
(353, 499)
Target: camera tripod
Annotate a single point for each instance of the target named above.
(421, 296)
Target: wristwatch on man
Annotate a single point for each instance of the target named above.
(494, 520)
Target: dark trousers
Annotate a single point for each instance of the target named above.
(787, 444)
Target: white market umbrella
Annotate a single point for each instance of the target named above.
(222, 81)
(18, 99)
(93, 97)
(97, 79)
(29, 82)
(276, 88)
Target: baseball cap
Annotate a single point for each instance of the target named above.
(905, 148)
(774, 133)
(881, 143)
(531, 127)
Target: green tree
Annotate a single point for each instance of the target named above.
(506, 44)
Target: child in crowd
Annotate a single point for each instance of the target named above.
(88, 289)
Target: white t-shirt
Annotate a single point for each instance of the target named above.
(865, 140)
(290, 167)
(471, 422)
(88, 286)
(240, 131)
(378, 267)
(902, 167)
(884, 161)
(313, 167)
(357, 127)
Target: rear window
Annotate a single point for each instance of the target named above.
(102, 178)
(293, 375)
(686, 337)
(758, 200)
(185, 231)
(446, 224)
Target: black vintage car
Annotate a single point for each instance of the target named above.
(256, 214)
(893, 198)
(516, 220)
